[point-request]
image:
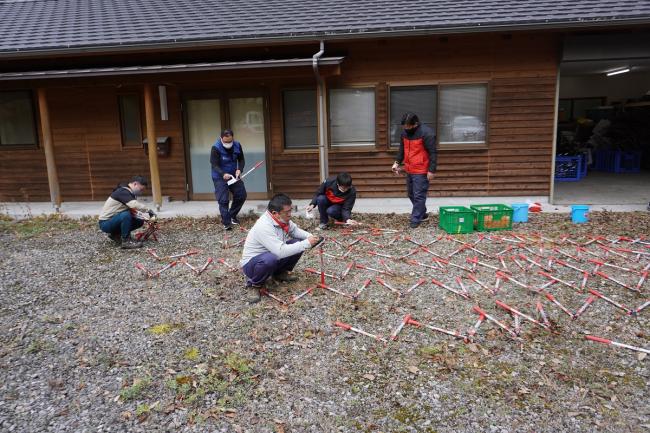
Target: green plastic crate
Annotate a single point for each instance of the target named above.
(490, 217)
(456, 219)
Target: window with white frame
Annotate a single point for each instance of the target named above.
(17, 119)
(420, 100)
(352, 117)
(462, 114)
(300, 119)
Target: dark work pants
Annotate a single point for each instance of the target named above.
(328, 209)
(123, 223)
(417, 186)
(262, 266)
(221, 193)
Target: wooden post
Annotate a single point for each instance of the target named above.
(48, 146)
(152, 145)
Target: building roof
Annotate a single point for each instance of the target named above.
(50, 26)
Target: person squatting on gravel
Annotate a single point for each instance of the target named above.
(417, 150)
(335, 198)
(227, 160)
(273, 247)
(117, 217)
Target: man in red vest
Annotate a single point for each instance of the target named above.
(335, 198)
(417, 150)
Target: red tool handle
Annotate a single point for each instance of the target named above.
(343, 325)
(504, 306)
(479, 311)
(598, 339)
(595, 293)
(413, 322)
(602, 275)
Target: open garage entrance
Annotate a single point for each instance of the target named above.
(603, 131)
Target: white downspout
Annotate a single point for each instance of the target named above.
(322, 116)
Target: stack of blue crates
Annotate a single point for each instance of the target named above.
(618, 161)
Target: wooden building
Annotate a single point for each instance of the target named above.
(74, 113)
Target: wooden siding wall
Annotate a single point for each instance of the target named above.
(88, 149)
(23, 175)
(521, 75)
(520, 72)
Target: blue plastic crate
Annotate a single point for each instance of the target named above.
(568, 168)
(618, 161)
(583, 166)
(628, 162)
(605, 160)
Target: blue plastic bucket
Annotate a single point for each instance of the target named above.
(579, 213)
(520, 212)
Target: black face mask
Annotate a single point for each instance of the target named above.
(410, 131)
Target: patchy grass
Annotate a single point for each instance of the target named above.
(39, 225)
(142, 410)
(192, 354)
(230, 382)
(39, 345)
(134, 391)
(164, 328)
(237, 363)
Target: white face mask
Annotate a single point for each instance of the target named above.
(227, 145)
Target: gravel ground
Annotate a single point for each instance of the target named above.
(89, 344)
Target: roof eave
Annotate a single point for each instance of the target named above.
(272, 40)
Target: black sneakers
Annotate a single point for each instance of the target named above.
(253, 295)
(234, 220)
(130, 244)
(285, 277)
(415, 224)
(116, 238)
(227, 227)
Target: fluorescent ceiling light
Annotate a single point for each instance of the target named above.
(620, 71)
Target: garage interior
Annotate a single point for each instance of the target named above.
(603, 130)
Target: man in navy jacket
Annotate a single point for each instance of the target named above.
(227, 160)
(335, 198)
